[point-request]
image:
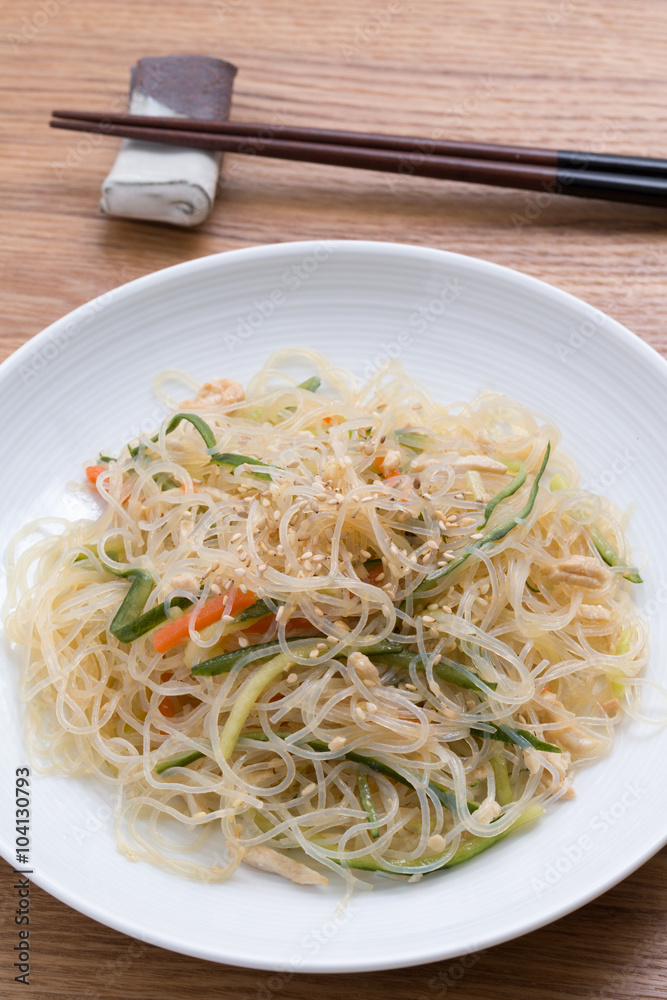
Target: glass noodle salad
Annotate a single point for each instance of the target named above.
(328, 628)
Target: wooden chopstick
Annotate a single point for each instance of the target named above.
(643, 185)
(607, 162)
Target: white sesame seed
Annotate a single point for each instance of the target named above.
(365, 554)
(243, 642)
(432, 544)
(236, 537)
(292, 678)
(436, 843)
(410, 687)
(266, 502)
(337, 743)
(379, 578)
(309, 789)
(240, 571)
(477, 534)
(322, 645)
(263, 567)
(314, 653)
(276, 515)
(307, 555)
(428, 619)
(215, 589)
(243, 588)
(294, 464)
(359, 712)
(436, 659)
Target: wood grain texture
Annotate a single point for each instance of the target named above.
(577, 74)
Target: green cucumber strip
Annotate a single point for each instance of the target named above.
(609, 554)
(230, 458)
(520, 738)
(495, 535)
(368, 805)
(197, 422)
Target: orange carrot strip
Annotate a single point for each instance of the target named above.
(177, 631)
(93, 471)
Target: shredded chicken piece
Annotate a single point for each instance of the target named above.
(391, 462)
(366, 671)
(578, 571)
(423, 462)
(479, 463)
(593, 612)
(576, 741)
(268, 860)
(567, 733)
(217, 392)
(488, 811)
(562, 762)
(185, 581)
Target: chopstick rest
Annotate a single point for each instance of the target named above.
(173, 184)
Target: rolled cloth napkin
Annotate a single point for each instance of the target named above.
(162, 183)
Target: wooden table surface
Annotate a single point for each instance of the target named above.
(582, 74)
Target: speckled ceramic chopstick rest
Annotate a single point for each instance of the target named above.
(170, 184)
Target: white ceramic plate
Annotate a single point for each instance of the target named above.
(460, 325)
